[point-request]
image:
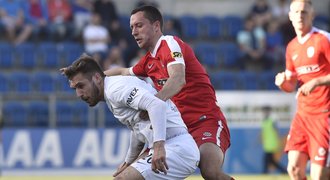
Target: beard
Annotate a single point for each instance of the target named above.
(95, 96)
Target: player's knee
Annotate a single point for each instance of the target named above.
(294, 171)
(209, 173)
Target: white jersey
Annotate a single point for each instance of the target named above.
(123, 96)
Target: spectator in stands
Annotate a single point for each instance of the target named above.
(60, 16)
(171, 27)
(146, 2)
(280, 12)
(274, 44)
(108, 12)
(261, 11)
(82, 12)
(13, 20)
(37, 15)
(114, 59)
(271, 141)
(96, 39)
(252, 43)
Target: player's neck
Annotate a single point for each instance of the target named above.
(155, 40)
(302, 33)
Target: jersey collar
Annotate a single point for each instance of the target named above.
(154, 52)
(307, 36)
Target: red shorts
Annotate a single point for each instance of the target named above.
(212, 131)
(310, 134)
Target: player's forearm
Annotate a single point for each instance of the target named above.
(287, 86)
(172, 87)
(325, 80)
(134, 150)
(117, 71)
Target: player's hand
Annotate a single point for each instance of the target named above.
(280, 78)
(120, 169)
(158, 162)
(144, 115)
(307, 88)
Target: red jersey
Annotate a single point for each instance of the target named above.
(306, 60)
(196, 101)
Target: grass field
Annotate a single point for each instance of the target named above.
(237, 177)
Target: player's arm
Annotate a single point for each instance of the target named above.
(175, 82)
(308, 87)
(285, 83)
(156, 109)
(134, 150)
(117, 71)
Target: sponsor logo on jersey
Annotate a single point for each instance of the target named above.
(176, 54)
(150, 66)
(310, 52)
(294, 57)
(131, 96)
(308, 69)
(161, 82)
(208, 134)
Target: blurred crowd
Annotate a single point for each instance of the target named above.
(105, 33)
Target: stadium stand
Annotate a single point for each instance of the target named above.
(190, 28)
(26, 55)
(38, 113)
(6, 55)
(211, 27)
(15, 114)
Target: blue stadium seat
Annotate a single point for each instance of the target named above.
(232, 24)
(268, 80)
(4, 83)
(15, 114)
(249, 80)
(224, 80)
(43, 82)
(124, 21)
(6, 55)
(110, 120)
(210, 27)
(64, 114)
(322, 22)
(39, 113)
(70, 51)
(189, 25)
(62, 84)
(20, 82)
(49, 55)
(207, 54)
(27, 55)
(228, 54)
(80, 110)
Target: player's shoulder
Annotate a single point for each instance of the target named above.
(321, 35)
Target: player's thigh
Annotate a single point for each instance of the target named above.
(211, 156)
(129, 173)
(319, 172)
(297, 159)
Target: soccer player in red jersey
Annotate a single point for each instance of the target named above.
(178, 75)
(308, 66)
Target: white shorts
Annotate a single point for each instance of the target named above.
(182, 157)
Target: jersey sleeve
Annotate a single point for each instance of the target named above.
(126, 94)
(290, 69)
(138, 69)
(174, 54)
(326, 47)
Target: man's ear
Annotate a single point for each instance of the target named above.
(97, 78)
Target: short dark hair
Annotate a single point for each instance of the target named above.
(305, 1)
(84, 64)
(151, 13)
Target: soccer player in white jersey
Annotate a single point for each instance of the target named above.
(173, 152)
